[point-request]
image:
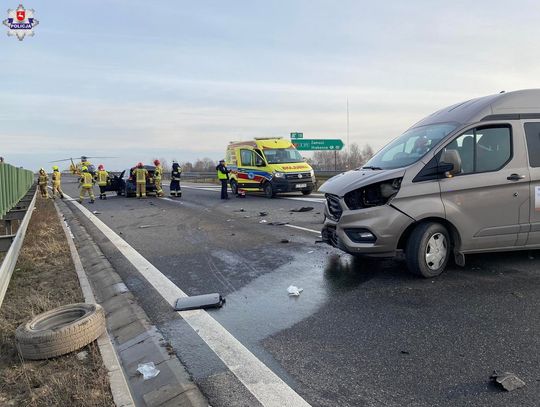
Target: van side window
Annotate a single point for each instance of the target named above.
(247, 158)
(483, 149)
(532, 134)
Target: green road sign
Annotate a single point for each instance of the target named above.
(322, 144)
(297, 135)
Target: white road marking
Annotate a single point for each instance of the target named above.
(306, 229)
(264, 384)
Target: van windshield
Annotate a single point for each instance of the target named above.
(410, 146)
(282, 155)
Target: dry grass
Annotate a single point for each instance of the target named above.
(44, 279)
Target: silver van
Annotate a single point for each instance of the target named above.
(465, 179)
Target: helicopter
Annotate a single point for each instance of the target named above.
(76, 168)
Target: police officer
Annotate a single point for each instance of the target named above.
(158, 174)
(56, 182)
(141, 174)
(86, 182)
(102, 180)
(223, 176)
(176, 189)
(43, 180)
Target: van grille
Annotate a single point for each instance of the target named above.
(302, 175)
(334, 207)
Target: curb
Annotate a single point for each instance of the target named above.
(119, 386)
(134, 338)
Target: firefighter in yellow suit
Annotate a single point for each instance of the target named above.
(43, 180)
(86, 182)
(158, 173)
(140, 174)
(56, 183)
(102, 180)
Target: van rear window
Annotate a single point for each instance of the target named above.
(532, 134)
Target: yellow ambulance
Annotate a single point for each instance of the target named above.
(269, 165)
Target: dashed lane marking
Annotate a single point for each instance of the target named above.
(305, 229)
(264, 384)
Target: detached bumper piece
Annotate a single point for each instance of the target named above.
(199, 302)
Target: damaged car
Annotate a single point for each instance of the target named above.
(466, 179)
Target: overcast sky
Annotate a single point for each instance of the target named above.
(177, 79)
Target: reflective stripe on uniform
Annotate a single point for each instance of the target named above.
(102, 178)
(140, 174)
(86, 179)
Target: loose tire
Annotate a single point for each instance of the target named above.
(428, 250)
(59, 331)
(307, 191)
(269, 190)
(234, 187)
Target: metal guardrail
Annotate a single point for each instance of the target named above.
(16, 241)
(14, 184)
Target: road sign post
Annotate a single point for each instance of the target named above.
(318, 145)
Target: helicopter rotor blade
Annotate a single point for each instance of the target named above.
(58, 161)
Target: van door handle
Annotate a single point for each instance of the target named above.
(515, 177)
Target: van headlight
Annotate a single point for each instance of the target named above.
(279, 174)
(312, 173)
(373, 195)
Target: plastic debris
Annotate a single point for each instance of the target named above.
(203, 301)
(96, 213)
(284, 240)
(263, 213)
(82, 355)
(294, 291)
(263, 221)
(507, 381)
(149, 226)
(303, 209)
(148, 370)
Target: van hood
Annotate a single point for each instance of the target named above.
(291, 167)
(354, 179)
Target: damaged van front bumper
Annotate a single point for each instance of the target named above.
(371, 231)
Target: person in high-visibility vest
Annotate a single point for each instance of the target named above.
(56, 182)
(223, 176)
(176, 174)
(43, 180)
(102, 181)
(86, 183)
(140, 174)
(158, 174)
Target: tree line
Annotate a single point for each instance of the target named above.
(346, 159)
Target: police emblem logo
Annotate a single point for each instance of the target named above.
(20, 22)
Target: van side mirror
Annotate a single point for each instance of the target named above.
(450, 163)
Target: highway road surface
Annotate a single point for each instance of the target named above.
(362, 333)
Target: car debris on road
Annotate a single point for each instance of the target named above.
(203, 301)
(294, 291)
(302, 209)
(507, 381)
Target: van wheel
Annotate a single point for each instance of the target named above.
(428, 250)
(234, 187)
(269, 191)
